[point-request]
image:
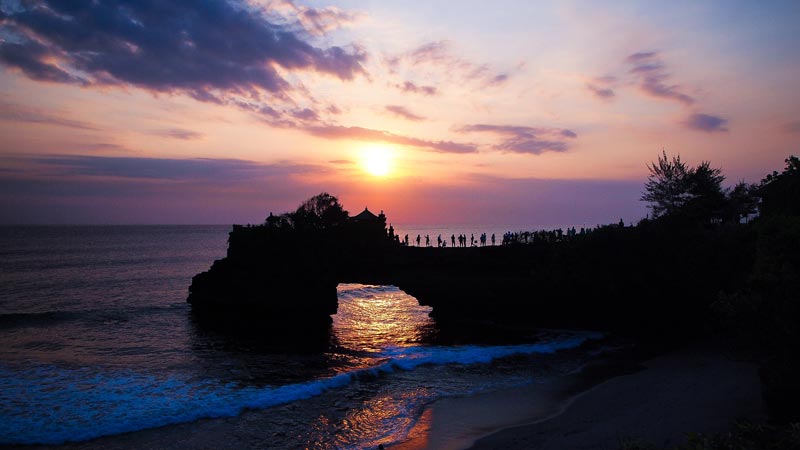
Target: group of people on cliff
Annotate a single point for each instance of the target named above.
(461, 239)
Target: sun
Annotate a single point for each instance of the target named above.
(377, 160)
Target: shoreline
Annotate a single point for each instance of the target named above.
(458, 422)
(697, 388)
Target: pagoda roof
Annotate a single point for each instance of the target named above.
(365, 216)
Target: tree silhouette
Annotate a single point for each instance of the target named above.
(780, 192)
(673, 189)
(322, 211)
(667, 185)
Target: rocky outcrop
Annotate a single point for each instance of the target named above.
(625, 279)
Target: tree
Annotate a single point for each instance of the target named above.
(673, 189)
(780, 192)
(322, 211)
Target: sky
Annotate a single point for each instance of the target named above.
(436, 112)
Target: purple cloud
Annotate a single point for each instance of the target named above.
(17, 113)
(521, 139)
(601, 92)
(408, 86)
(439, 55)
(222, 47)
(178, 133)
(196, 170)
(654, 79)
(367, 134)
(706, 123)
(402, 111)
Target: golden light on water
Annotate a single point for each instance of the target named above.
(377, 160)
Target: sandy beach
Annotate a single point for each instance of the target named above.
(699, 388)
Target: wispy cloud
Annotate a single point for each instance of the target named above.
(522, 139)
(18, 113)
(367, 134)
(706, 123)
(439, 54)
(194, 170)
(654, 79)
(602, 87)
(177, 133)
(403, 112)
(409, 86)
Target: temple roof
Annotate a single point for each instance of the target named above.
(365, 216)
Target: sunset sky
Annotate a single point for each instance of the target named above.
(502, 112)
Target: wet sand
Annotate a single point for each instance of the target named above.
(696, 389)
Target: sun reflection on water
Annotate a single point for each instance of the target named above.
(373, 318)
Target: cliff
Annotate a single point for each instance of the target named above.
(634, 280)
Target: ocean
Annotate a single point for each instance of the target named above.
(97, 341)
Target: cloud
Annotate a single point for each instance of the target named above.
(654, 79)
(707, 123)
(409, 86)
(521, 139)
(402, 111)
(367, 134)
(315, 21)
(791, 127)
(438, 54)
(208, 51)
(187, 170)
(17, 113)
(177, 133)
(82, 189)
(601, 92)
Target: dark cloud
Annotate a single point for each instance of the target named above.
(205, 50)
(520, 139)
(654, 78)
(409, 86)
(178, 133)
(367, 134)
(17, 113)
(402, 111)
(707, 123)
(189, 170)
(791, 127)
(601, 92)
(341, 162)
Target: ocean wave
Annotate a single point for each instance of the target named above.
(46, 318)
(50, 405)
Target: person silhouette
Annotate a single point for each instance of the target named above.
(439, 241)
(471, 239)
(417, 240)
(492, 238)
(453, 240)
(427, 240)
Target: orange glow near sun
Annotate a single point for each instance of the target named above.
(377, 160)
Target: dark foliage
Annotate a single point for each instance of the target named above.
(682, 194)
(780, 192)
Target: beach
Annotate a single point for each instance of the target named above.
(698, 388)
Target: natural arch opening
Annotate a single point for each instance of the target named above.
(375, 317)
